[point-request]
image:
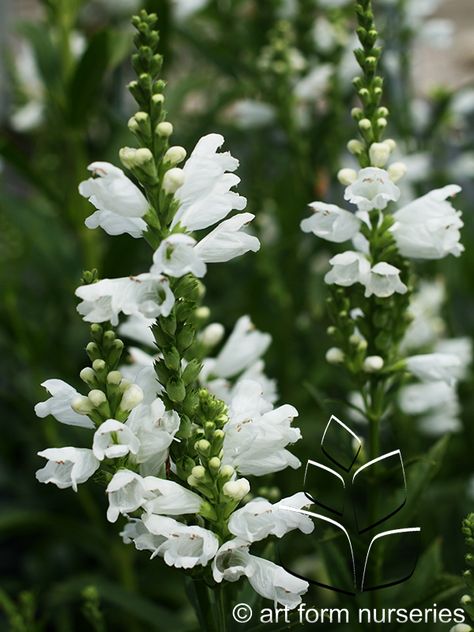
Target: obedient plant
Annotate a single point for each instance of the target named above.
(171, 434)
(372, 282)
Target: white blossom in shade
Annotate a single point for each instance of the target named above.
(310, 87)
(120, 204)
(256, 436)
(434, 367)
(384, 280)
(170, 498)
(176, 256)
(145, 294)
(232, 561)
(126, 493)
(67, 467)
(206, 196)
(429, 227)
(113, 440)
(373, 189)
(425, 307)
(435, 402)
(138, 328)
(274, 583)
(227, 240)
(331, 223)
(155, 428)
(59, 404)
(185, 546)
(184, 9)
(259, 518)
(348, 268)
(251, 114)
(242, 350)
(136, 532)
(461, 348)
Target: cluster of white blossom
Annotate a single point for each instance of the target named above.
(163, 515)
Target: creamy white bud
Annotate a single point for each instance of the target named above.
(236, 489)
(198, 472)
(379, 154)
(396, 171)
(141, 117)
(461, 627)
(98, 365)
(212, 334)
(391, 143)
(372, 364)
(365, 124)
(173, 179)
(131, 157)
(97, 398)
(355, 146)
(82, 405)
(334, 355)
(131, 398)
(203, 312)
(87, 375)
(466, 599)
(347, 176)
(227, 471)
(157, 98)
(175, 155)
(214, 463)
(164, 129)
(114, 377)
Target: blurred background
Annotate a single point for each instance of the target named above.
(274, 76)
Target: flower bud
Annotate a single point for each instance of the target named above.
(164, 129)
(396, 171)
(356, 113)
(466, 600)
(461, 627)
(114, 377)
(199, 472)
(355, 147)
(131, 398)
(347, 176)
(372, 364)
(382, 122)
(98, 365)
(391, 143)
(227, 471)
(87, 375)
(132, 158)
(214, 464)
(379, 154)
(173, 179)
(382, 111)
(192, 481)
(334, 355)
(97, 398)
(365, 124)
(82, 405)
(158, 99)
(176, 389)
(203, 312)
(212, 334)
(236, 489)
(175, 155)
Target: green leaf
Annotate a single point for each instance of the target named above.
(88, 78)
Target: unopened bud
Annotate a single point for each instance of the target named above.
(131, 398)
(97, 398)
(98, 365)
(382, 123)
(227, 471)
(82, 405)
(164, 129)
(347, 176)
(203, 446)
(236, 489)
(365, 124)
(132, 158)
(214, 464)
(334, 355)
(396, 171)
(391, 143)
(199, 472)
(203, 312)
(114, 377)
(87, 375)
(175, 155)
(372, 364)
(157, 99)
(212, 334)
(355, 146)
(379, 154)
(173, 179)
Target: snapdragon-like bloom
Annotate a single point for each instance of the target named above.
(113, 440)
(59, 404)
(348, 268)
(67, 467)
(126, 492)
(259, 518)
(206, 196)
(256, 436)
(432, 367)
(383, 280)
(373, 189)
(428, 228)
(330, 222)
(184, 546)
(170, 498)
(146, 295)
(232, 561)
(120, 204)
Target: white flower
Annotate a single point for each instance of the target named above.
(384, 280)
(435, 402)
(176, 256)
(314, 83)
(461, 348)
(348, 268)
(145, 295)
(185, 546)
(113, 440)
(59, 404)
(227, 240)
(170, 498)
(274, 583)
(256, 436)
(136, 532)
(259, 518)
(155, 428)
(373, 363)
(211, 335)
(67, 467)
(373, 189)
(425, 310)
(331, 222)
(138, 328)
(251, 114)
(206, 197)
(243, 348)
(126, 492)
(120, 204)
(232, 561)
(428, 228)
(432, 367)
